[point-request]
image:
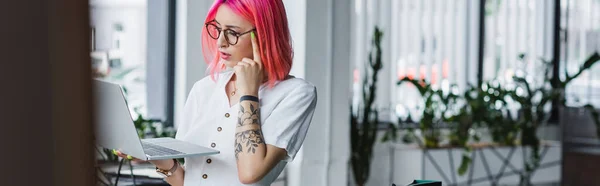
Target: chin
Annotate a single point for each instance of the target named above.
(229, 63)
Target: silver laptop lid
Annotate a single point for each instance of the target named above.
(114, 127)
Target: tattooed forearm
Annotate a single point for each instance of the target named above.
(247, 141)
(248, 137)
(249, 113)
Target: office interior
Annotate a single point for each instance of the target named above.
(467, 92)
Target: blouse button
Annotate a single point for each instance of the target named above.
(219, 129)
(227, 115)
(204, 176)
(208, 160)
(213, 145)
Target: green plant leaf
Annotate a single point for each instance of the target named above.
(386, 136)
(464, 164)
(586, 65)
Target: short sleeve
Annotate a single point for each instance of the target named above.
(288, 123)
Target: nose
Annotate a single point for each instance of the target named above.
(221, 41)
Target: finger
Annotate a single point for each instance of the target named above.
(249, 61)
(137, 160)
(255, 48)
(243, 64)
(237, 68)
(121, 155)
(129, 157)
(116, 152)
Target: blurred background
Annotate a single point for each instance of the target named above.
(466, 92)
(464, 89)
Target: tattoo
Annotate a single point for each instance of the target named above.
(248, 116)
(248, 140)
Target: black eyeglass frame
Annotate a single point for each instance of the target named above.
(236, 34)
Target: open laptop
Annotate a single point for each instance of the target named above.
(115, 129)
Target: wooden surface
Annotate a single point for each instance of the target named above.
(581, 169)
(45, 99)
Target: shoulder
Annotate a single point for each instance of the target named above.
(202, 85)
(295, 87)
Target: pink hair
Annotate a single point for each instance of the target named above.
(272, 32)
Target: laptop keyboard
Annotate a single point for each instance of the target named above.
(155, 150)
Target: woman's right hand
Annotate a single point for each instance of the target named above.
(127, 157)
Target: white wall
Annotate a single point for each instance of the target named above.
(295, 10)
(189, 63)
(326, 147)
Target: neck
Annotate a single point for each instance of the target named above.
(234, 77)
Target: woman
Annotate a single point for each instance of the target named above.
(247, 46)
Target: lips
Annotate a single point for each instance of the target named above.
(225, 55)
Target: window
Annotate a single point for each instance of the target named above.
(436, 41)
(513, 28)
(525, 27)
(426, 39)
(431, 44)
(580, 25)
(119, 47)
(137, 54)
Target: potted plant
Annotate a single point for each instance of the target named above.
(533, 112)
(437, 111)
(363, 123)
(489, 106)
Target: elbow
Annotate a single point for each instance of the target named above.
(249, 177)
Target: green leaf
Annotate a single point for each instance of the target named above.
(464, 164)
(386, 136)
(586, 65)
(591, 60)
(522, 56)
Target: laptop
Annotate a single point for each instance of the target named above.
(115, 129)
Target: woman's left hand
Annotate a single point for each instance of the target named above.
(249, 72)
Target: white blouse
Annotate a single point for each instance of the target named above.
(285, 110)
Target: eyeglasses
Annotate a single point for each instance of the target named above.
(230, 36)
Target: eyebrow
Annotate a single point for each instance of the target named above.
(232, 26)
(229, 26)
